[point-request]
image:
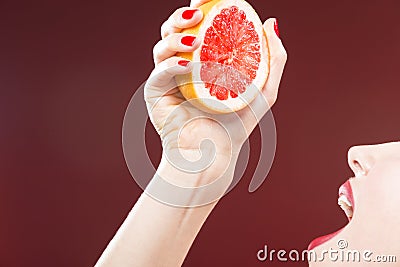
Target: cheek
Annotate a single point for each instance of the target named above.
(378, 194)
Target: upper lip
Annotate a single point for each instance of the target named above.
(346, 200)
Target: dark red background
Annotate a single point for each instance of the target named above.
(68, 70)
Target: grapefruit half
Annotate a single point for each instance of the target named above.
(231, 65)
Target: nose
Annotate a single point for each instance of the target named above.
(361, 159)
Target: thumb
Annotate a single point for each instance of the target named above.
(278, 57)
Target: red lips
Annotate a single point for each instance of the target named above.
(345, 190)
(320, 240)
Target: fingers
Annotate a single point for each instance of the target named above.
(172, 44)
(197, 3)
(278, 58)
(161, 80)
(172, 40)
(182, 18)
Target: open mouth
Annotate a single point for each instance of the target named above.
(346, 202)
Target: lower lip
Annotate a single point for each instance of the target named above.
(345, 189)
(320, 240)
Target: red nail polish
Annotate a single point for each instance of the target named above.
(276, 28)
(188, 40)
(184, 63)
(188, 14)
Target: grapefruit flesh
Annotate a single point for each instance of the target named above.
(231, 41)
(233, 58)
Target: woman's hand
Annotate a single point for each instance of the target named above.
(181, 126)
(167, 231)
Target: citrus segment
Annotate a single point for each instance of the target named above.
(232, 41)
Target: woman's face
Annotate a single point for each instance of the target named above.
(374, 227)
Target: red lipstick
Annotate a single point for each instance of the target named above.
(345, 189)
(320, 240)
(346, 195)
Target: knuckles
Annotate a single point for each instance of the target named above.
(156, 52)
(164, 29)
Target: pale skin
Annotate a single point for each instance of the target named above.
(154, 228)
(376, 219)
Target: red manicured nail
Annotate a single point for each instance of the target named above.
(188, 14)
(184, 63)
(276, 28)
(188, 40)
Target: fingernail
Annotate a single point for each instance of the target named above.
(276, 28)
(184, 63)
(188, 14)
(188, 40)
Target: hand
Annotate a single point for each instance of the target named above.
(153, 228)
(181, 126)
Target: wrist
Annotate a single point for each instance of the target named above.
(196, 167)
(178, 184)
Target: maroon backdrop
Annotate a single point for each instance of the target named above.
(68, 70)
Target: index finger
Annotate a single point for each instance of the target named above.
(182, 18)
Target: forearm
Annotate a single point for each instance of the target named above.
(155, 234)
(158, 234)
